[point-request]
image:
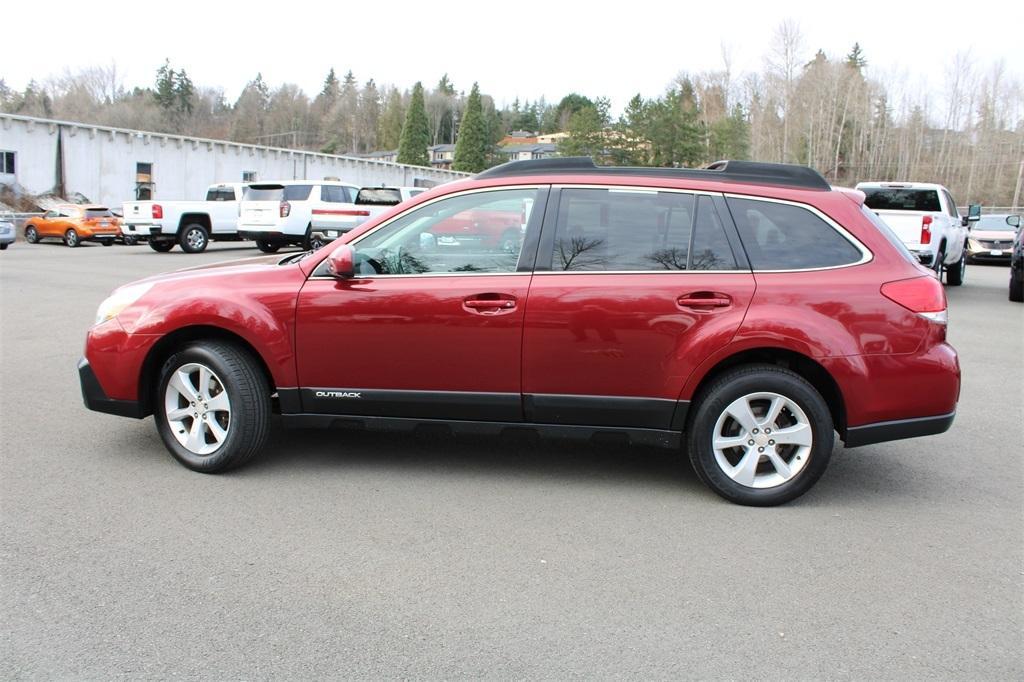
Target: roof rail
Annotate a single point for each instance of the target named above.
(785, 174)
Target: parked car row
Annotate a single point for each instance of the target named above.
(306, 213)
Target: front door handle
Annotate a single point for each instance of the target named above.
(490, 304)
(704, 299)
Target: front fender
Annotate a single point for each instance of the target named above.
(265, 323)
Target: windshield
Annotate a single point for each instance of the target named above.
(893, 199)
(994, 223)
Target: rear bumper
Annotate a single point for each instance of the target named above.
(96, 399)
(899, 429)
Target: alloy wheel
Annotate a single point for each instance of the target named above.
(198, 408)
(195, 239)
(762, 440)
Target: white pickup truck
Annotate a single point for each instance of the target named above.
(925, 218)
(191, 224)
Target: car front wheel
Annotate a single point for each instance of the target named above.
(212, 406)
(161, 246)
(267, 247)
(760, 435)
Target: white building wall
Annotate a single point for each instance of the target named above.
(100, 162)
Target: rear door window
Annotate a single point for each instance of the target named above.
(788, 237)
(611, 230)
(335, 194)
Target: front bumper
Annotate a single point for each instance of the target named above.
(96, 399)
(980, 253)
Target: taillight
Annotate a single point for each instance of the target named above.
(926, 230)
(922, 295)
(286, 209)
(158, 211)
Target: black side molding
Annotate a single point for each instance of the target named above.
(96, 399)
(881, 432)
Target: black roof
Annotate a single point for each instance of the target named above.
(785, 174)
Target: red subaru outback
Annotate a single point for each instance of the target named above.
(746, 311)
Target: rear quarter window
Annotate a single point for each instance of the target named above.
(297, 192)
(789, 237)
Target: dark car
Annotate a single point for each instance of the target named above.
(1017, 267)
(746, 312)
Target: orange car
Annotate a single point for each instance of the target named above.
(75, 224)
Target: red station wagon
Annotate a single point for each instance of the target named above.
(745, 313)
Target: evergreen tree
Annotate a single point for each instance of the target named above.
(856, 57)
(184, 92)
(163, 92)
(586, 130)
(629, 145)
(412, 148)
(389, 131)
(471, 145)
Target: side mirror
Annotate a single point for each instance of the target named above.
(341, 263)
(1013, 220)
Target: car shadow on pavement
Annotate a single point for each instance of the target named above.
(520, 455)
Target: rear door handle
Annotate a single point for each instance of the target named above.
(704, 299)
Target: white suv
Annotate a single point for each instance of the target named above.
(277, 214)
(925, 218)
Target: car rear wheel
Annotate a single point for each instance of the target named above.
(31, 236)
(71, 238)
(107, 242)
(212, 406)
(955, 273)
(194, 238)
(307, 241)
(760, 435)
(161, 246)
(267, 247)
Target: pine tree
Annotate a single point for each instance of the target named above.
(412, 148)
(856, 57)
(163, 92)
(471, 145)
(389, 132)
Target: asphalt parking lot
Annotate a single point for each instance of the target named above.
(339, 554)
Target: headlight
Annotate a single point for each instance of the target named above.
(119, 300)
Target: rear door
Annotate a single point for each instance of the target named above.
(634, 288)
(336, 211)
(261, 205)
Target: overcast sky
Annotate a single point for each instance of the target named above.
(525, 48)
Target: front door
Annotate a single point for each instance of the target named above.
(633, 289)
(429, 327)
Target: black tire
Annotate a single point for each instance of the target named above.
(107, 242)
(317, 242)
(742, 381)
(31, 235)
(71, 238)
(955, 274)
(267, 247)
(130, 241)
(307, 241)
(193, 238)
(3, 247)
(249, 396)
(1016, 289)
(938, 266)
(161, 246)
